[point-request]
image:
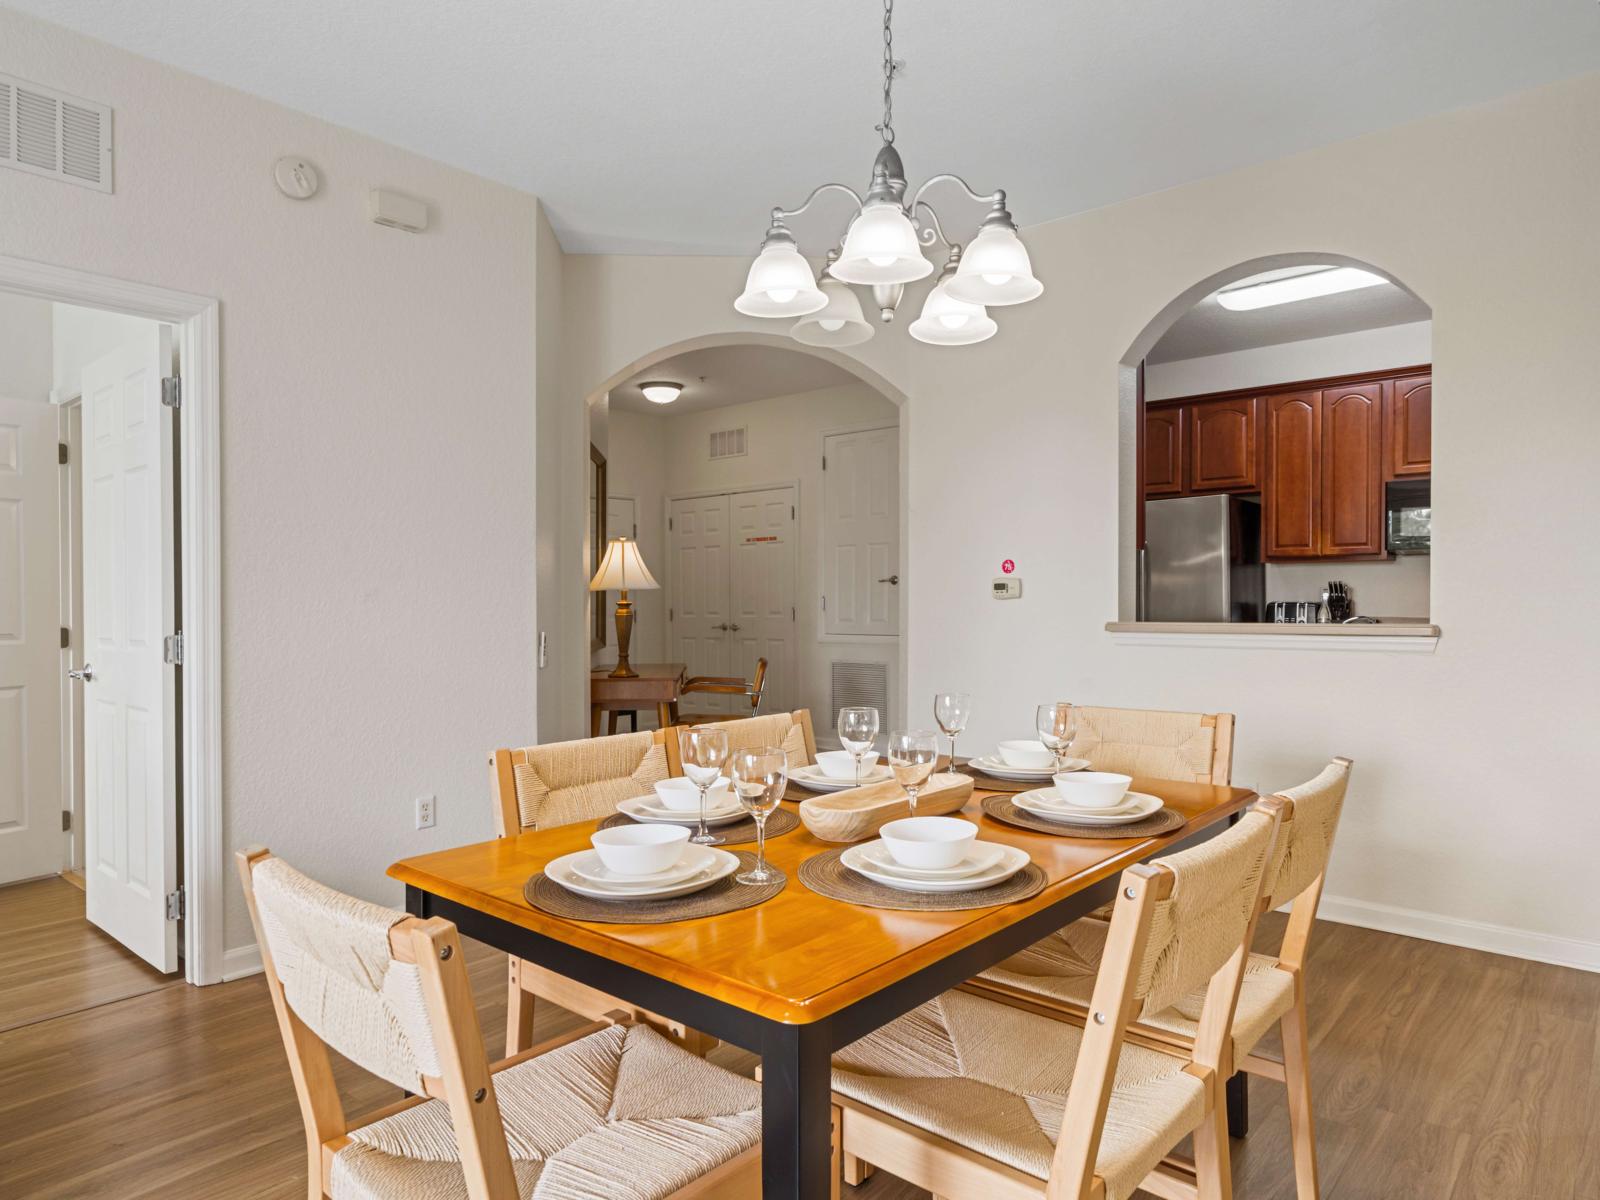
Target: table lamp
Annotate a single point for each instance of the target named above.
(622, 568)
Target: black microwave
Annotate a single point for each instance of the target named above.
(1409, 517)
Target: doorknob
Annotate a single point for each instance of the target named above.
(733, 628)
(724, 627)
(86, 675)
(894, 579)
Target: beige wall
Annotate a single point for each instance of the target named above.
(24, 348)
(1488, 215)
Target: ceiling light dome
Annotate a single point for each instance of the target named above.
(881, 247)
(995, 268)
(661, 392)
(839, 324)
(780, 283)
(946, 321)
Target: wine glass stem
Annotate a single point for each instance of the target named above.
(702, 832)
(953, 750)
(761, 844)
(911, 800)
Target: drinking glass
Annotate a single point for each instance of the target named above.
(858, 730)
(1057, 725)
(759, 777)
(952, 710)
(912, 753)
(704, 749)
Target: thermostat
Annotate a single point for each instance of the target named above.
(1008, 587)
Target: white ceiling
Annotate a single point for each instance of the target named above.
(1208, 328)
(673, 126)
(732, 375)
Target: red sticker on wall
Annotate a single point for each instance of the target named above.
(1008, 566)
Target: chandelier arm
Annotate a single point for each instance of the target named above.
(934, 232)
(996, 197)
(780, 214)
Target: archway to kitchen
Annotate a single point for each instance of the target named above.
(789, 461)
(1285, 401)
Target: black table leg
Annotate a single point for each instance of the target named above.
(1238, 1089)
(796, 1127)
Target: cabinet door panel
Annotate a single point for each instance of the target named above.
(1292, 493)
(1222, 443)
(1163, 451)
(1411, 427)
(1352, 471)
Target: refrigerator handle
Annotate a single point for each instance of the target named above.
(1141, 592)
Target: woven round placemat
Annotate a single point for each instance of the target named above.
(779, 822)
(1001, 809)
(723, 896)
(827, 876)
(993, 783)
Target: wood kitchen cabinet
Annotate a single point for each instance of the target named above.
(1409, 427)
(1350, 523)
(1291, 498)
(1222, 446)
(1163, 451)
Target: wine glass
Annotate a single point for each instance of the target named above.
(858, 730)
(952, 710)
(704, 750)
(912, 753)
(1057, 725)
(759, 777)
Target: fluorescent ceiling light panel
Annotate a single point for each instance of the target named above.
(1297, 287)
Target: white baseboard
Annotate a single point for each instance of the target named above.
(241, 961)
(1454, 931)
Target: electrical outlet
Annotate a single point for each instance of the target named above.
(425, 812)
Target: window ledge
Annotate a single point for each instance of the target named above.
(1389, 638)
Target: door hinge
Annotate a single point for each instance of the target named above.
(792, 617)
(791, 512)
(824, 604)
(172, 391)
(66, 820)
(669, 524)
(175, 904)
(824, 462)
(66, 638)
(672, 614)
(172, 649)
(61, 453)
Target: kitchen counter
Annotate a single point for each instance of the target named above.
(1390, 636)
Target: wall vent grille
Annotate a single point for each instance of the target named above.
(729, 443)
(50, 133)
(860, 685)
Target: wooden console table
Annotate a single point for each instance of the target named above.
(659, 684)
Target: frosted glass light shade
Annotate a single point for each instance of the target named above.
(881, 247)
(780, 284)
(839, 324)
(622, 569)
(946, 321)
(995, 270)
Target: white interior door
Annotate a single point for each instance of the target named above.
(698, 591)
(131, 839)
(31, 840)
(762, 604)
(861, 533)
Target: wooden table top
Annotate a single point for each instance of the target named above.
(647, 672)
(800, 956)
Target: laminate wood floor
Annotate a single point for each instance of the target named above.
(1439, 1074)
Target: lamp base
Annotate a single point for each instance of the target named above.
(624, 634)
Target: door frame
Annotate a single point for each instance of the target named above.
(195, 322)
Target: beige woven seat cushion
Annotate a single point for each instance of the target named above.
(1063, 966)
(995, 1079)
(583, 780)
(1135, 741)
(778, 729)
(621, 1114)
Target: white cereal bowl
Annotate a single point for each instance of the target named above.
(837, 764)
(681, 795)
(929, 843)
(640, 849)
(1027, 754)
(1092, 789)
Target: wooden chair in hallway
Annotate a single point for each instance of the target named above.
(584, 1114)
(1197, 747)
(792, 731)
(540, 787)
(723, 685)
(969, 1096)
(1058, 974)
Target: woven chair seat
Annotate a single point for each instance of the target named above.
(995, 1079)
(622, 1113)
(1062, 967)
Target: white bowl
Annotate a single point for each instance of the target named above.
(1092, 789)
(928, 843)
(681, 795)
(1027, 754)
(640, 849)
(837, 764)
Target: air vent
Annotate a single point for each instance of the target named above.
(728, 443)
(45, 132)
(860, 685)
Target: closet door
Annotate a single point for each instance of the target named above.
(763, 603)
(699, 595)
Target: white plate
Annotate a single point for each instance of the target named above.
(1043, 802)
(561, 871)
(588, 864)
(644, 808)
(815, 779)
(993, 764)
(982, 859)
(1011, 861)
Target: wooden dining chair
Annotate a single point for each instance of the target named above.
(540, 787)
(722, 685)
(584, 1114)
(1195, 747)
(791, 730)
(1058, 973)
(969, 1096)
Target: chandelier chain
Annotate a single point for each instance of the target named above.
(887, 128)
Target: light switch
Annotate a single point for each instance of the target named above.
(1008, 587)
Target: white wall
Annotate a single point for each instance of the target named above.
(1313, 358)
(377, 435)
(24, 348)
(81, 335)
(1014, 446)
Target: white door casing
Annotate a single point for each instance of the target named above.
(31, 839)
(698, 591)
(861, 533)
(763, 598)
(131, 845)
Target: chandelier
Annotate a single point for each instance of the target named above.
(883, 250)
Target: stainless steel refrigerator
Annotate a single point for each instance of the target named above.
(1202, 560)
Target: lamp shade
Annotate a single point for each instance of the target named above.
(881, 247)
(839, 324)
(780, 284)
(995, 269)
(622, 569)
(946, 321)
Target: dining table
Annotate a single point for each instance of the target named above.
(799, 976)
